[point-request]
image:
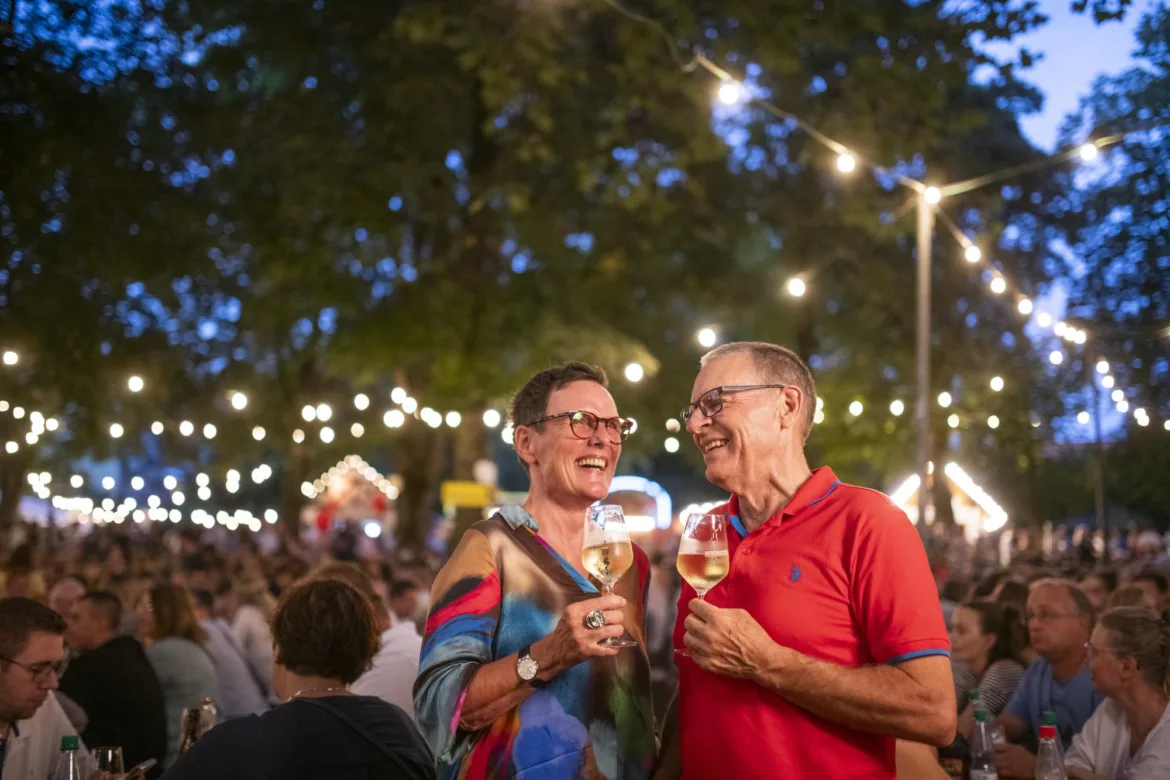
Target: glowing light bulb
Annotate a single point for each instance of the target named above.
(135, 384)
(944, 399)
(1024, 306)
(846, 163)
(671, 444)
(116, 430)
(731, 93)
(998, 285)
(491, 418)
(993, 422)
(796, 287)
(932, 195)
(897, 408)
(1056, 357)
(706, 337)
(856, 408)
(239, 401)
(997, 384)
(634, 372)
(973, 254)
(361, 402)
(1088, 152)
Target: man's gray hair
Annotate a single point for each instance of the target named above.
(1079, 598)
(777, 365)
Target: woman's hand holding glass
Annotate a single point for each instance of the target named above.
(573, 641)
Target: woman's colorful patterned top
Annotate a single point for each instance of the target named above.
(504, 588)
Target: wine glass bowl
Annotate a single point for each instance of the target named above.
(703, 560)
(607, 553)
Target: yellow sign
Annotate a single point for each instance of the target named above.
(467, 494)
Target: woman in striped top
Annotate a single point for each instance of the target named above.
(987, 642)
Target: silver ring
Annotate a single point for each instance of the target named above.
(595, 619)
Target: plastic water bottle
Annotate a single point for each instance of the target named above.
(68, 767)
(982, 749)
(1049, 761)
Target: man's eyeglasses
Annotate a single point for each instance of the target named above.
(710, 403)
(584, 425)
(40, 672)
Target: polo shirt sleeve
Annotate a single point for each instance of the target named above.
(893, 592)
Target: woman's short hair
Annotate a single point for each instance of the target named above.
(325, 628)
(174, 614)
(1137, 633)
(1108, 578)
(531, 401)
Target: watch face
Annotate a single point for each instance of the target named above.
(527, 668)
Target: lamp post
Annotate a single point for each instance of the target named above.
(922, 400)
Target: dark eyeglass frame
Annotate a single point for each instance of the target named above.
(40, 672)
(714, 398)
(622, 426)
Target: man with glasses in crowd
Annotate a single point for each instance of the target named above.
(825, 641)
(32, 657)
(1060, 622)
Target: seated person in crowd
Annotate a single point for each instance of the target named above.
(32, 652)
(1060, 621)
(1156, 586)
(175, 645)
(1128, 737)
(241, 692)
(395, 667)
(986, 640)
(112, 680)
(326, 635)
(1099, 586)
(1131, 596)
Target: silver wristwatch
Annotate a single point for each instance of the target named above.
(527, 668)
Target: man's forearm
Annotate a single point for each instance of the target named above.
(877, 699)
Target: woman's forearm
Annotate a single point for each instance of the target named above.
(496, 687)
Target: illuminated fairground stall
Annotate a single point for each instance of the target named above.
(351, 491)
(975, 511)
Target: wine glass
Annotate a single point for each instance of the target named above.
(109, 763)
(607, 553)
(703, 560)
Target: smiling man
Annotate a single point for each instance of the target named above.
(825, 642)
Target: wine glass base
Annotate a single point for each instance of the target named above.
(618, 642)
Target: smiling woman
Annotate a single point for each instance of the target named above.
(513, 673)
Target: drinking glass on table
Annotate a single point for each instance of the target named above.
(109, 763)
(703, 559)
(607, 553)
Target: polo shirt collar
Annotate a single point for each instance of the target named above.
(814, 490)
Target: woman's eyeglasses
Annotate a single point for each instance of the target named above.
(710, 403)
(585, 424)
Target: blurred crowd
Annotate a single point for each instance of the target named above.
(157, 620)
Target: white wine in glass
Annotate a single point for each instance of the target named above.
(607, 553)
(702, 552)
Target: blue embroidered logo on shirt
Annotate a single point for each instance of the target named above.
(794, 573)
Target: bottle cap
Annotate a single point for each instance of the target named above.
(973, 696)
(1048, 732)
(982, 716)
(71, 742)
(1049, 718)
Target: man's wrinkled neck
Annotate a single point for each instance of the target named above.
(771, 488)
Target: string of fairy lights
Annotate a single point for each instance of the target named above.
(734, 92)
(730, 92)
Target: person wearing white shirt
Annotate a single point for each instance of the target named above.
(392, 674)
(1128, 737)
(32, 655)
(250, 625)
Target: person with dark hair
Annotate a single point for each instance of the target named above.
(988, 640)
(392, 674)
(1156, 586)
(1128, 736)
(1099, 586)
(1060, 621)
(326, 635)
(241, 690)
(112, 680)
(1130, 596)
(175, 645)
(513, 679)
(32, 655)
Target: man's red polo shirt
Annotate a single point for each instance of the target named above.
(839, 575)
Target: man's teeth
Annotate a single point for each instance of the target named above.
(714, 445)
(592, 463)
